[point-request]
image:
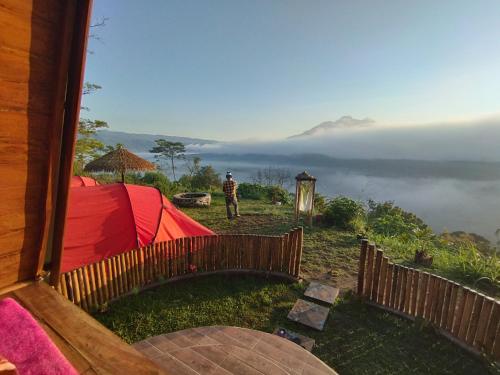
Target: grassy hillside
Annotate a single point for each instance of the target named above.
(358, 339)
(331, 254)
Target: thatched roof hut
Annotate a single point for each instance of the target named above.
(119, 160)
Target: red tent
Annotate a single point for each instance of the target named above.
(106, 220)
(78, 181)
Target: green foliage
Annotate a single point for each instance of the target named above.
(320, 202)
(345, 213)
(206, 178)
(278, 194)
(273, 193)
(394, 214)
(168, 150)
(357, 339)
(87, 147)
(251, 191)
(158, 180)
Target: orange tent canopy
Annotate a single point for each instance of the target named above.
(107, 220)
(78, 181)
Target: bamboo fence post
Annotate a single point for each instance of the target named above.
(83, 294)
(64, 288)
(76, 288)
(430, 298)
(369, 271)
(402, 294)
(422, 299)
(492, 329)
(93, 288)
(394, 286)
(362, 265)
(415, 290)
(453, 306)
(383, 279)
(123, 270)
(300, 247)
(388, 284)
(436, 319)
(104, 278)
(376, 274)
(408, 291)
(474, 320)
(483, 322)
(446, 303)
(464, 324)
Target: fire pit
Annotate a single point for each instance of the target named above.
(192, 199)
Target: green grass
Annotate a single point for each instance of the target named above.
(358, 339)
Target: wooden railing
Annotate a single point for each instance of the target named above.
(96, 284)
(465, 316)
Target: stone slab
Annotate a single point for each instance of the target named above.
(321, 292)
(309, 314)
(306, 342)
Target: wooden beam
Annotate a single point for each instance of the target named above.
(71, 118)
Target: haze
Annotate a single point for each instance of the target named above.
(233, 70)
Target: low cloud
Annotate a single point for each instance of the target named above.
(477, 140)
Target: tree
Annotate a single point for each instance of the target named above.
(206, 179)
(168, 150)
(193, 165)
(87, 147)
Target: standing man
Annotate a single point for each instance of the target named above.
(229, 188)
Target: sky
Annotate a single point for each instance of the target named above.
(268, 69)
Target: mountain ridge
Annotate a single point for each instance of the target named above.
(140, 142)
(343, 122)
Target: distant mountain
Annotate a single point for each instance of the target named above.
(143, 142)
(343, 122)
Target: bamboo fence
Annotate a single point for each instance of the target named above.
(96, 284)
(465, 316)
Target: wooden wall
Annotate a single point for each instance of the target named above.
(35, 50)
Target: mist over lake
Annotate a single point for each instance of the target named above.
(452, 204)
(449, 203)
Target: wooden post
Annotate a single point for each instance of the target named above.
(453, 306)
(300, 245)
(415, 290)
(369, 271)
(474, 320)
(388, 284)
(483, 322)
(376, 275)
(361, 268)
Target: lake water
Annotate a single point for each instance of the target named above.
(443, 203)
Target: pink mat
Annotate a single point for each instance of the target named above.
(24, 343)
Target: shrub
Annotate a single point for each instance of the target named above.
(319, 202)
(345, 213)
(251, 191)
(278, 194)
(206, 179)
(377, 210)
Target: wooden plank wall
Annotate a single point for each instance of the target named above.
(35, 38)
(465, 314)
(98, 283)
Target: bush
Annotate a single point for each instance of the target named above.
(278, 194)
(319, 202)
(252, 191)
(206, 179)
(345, 213)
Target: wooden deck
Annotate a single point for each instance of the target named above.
(230, 350)
(90, 347)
